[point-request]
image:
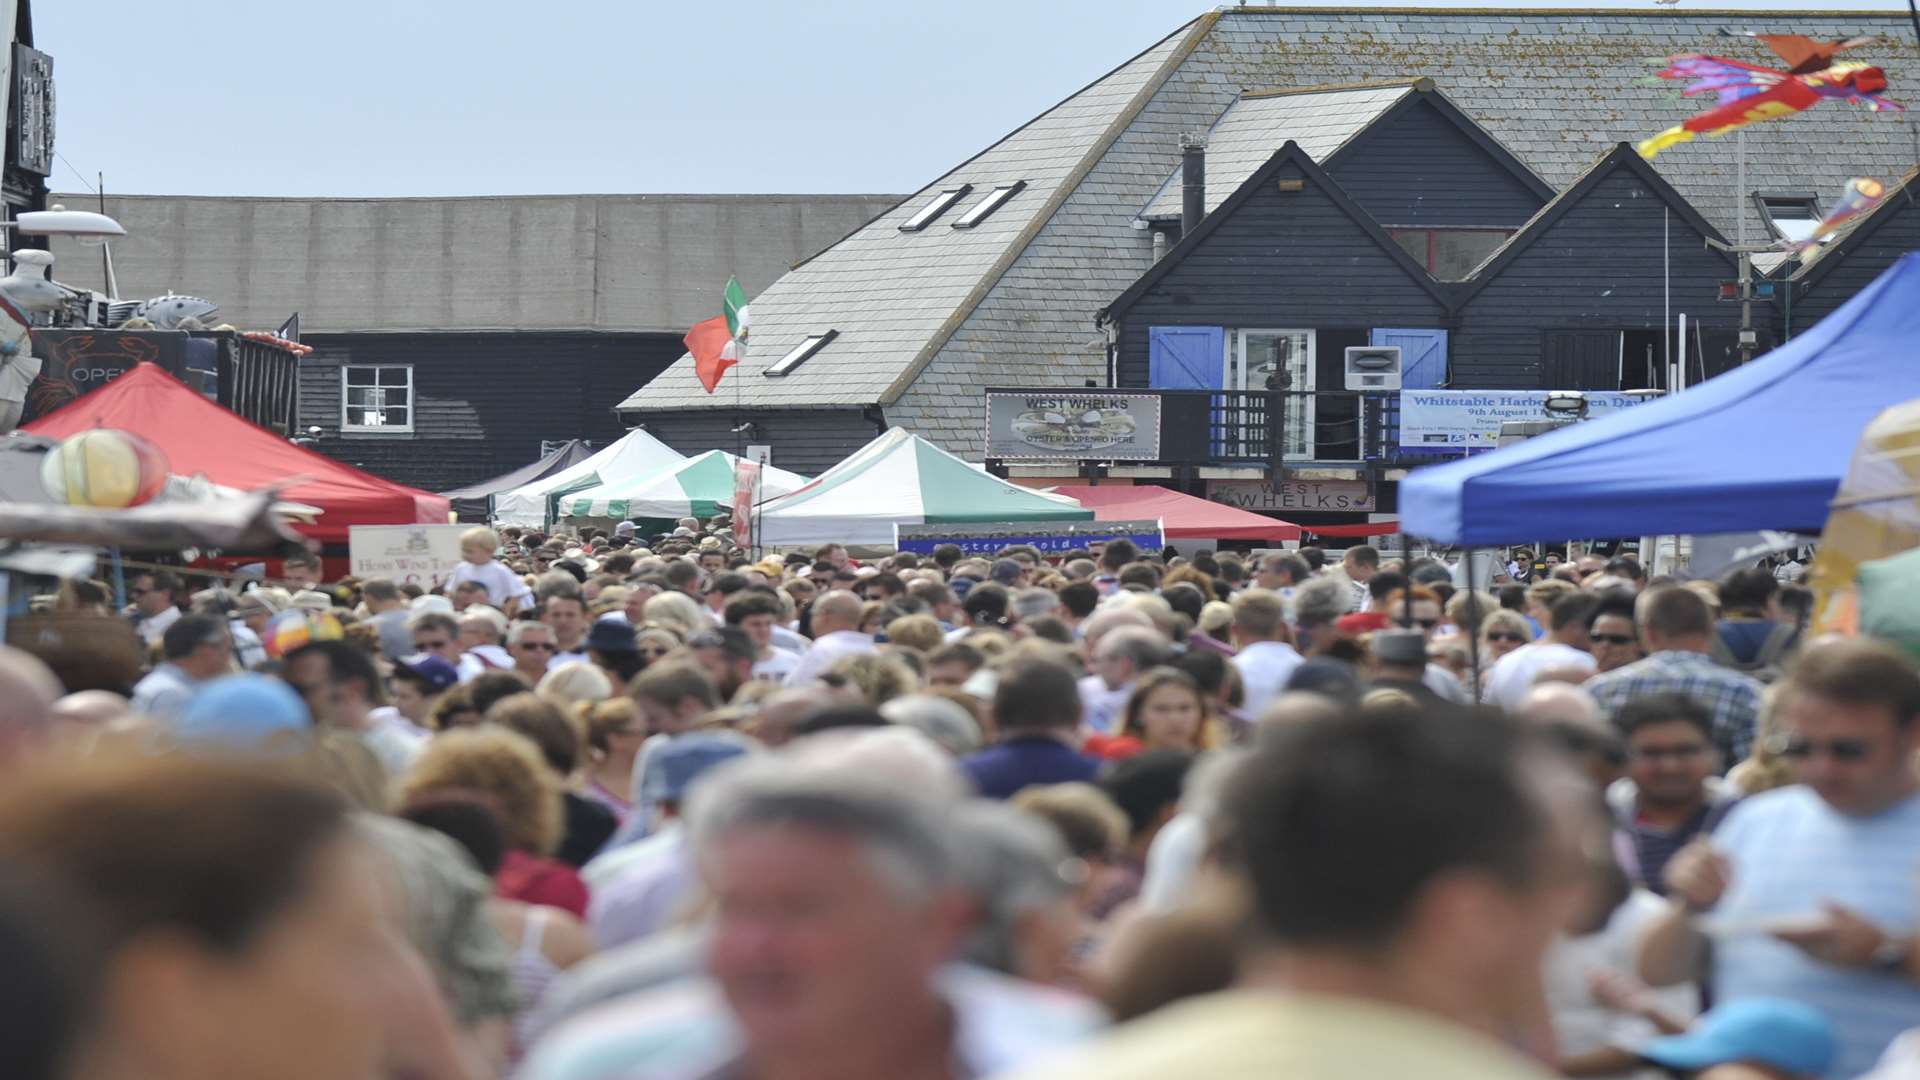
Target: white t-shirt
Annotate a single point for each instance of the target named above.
(1265, 667)
(1513, 674)
(502, 584)
(777, 667)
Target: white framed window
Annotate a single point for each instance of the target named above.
(376, 397)
(1276, 360)
(801, 353)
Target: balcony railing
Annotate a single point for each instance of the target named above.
(1269, 429)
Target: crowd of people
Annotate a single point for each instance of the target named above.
(610, 805)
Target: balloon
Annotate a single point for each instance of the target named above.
(105, 467)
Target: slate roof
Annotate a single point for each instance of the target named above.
(1320, 121)
(927, 320)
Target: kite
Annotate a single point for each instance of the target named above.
(1747, 93)
(1862, 194)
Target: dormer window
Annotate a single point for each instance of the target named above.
(1789, 217)
(934, 209)
(802, 353)
(993, 201)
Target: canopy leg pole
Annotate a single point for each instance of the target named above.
(1473, 639)
(119, 578)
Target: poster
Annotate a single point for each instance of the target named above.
(746, 492)
(1050, 537)
(1471, 419)
(423, 555)
(1074, 426)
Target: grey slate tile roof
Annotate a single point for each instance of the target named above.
(926, 320)
(1260, 122)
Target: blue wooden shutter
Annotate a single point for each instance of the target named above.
(1185, 357)
(1423, 356)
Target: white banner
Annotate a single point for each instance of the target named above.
(424, 555)
(1471, 419)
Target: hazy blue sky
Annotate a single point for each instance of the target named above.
(466, 97)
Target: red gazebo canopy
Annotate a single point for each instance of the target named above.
(1184, 516)
(199, 436)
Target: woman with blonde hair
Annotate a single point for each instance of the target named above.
(654, 642)
(505, 769)
(1503, 631)
(878, 677)
(1764, 769)
(575, 683)
(1167, 711)
(678, 612)
(615, 731)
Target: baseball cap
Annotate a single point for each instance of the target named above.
(1005, 571)
(439, 675)
(1780, 1034)
(241, 712)
(426, 602)
(671, 771)
(625, 528)
(612, 634)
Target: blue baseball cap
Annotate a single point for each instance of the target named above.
(671, 771)
(241, 712)
(1784, 1035)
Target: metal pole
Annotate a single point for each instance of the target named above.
(1746, 306)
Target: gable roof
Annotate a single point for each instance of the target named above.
(1327, 122)
(1621, 157)
(1292, 154)
(894, 296)
(1014, 299)
(1822, 259)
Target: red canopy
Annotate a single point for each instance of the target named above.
(199, 436)
(1184, 516)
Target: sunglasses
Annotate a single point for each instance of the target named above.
(1795, 747)
(538, 646)
(653, 653)
(1500, 635)
(1614, 639)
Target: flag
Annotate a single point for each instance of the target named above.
(713, 349)
(289, 330)
(735, 308)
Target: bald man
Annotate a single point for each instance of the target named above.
(28, 690)
(1570, 716)
(836, 621)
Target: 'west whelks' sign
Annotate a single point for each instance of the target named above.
(1333, 495)
(1100, 425)
(1049, 537)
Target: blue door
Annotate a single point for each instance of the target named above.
(1423, 366)
(1423, 356)
(1186, 357)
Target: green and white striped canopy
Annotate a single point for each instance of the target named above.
(901, 479)
(700, 486)
(637, 454)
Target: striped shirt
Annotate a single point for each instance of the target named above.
(1732, 698)
(1790, 852)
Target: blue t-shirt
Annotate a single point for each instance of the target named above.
(1790, 851)
(1022, 761)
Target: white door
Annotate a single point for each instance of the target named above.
(1278, 360)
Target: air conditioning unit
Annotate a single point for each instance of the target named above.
(1373, 367)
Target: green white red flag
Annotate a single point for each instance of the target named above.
(714, 350)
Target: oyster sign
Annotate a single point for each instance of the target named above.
(1114, 426)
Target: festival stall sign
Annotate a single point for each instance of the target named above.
(423, 555)
(1049, 537)
(1471, 419)
(700, 486)
(1108, 426)
(636, 456)
(901, 479)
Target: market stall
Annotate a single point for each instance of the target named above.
(635, 456)
(701, 486)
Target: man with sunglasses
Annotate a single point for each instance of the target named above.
(1812, 892)
(1669, 795)
(531, 645)
(1615, 638)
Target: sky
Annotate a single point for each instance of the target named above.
(485, 97)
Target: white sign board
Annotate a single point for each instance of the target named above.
(1471, 419)
(423, 555)
(1260, 495)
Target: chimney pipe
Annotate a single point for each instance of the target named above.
(1193, 182)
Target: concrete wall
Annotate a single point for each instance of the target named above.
(650, 263)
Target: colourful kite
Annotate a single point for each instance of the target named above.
(1862, 194)
(1747, 93)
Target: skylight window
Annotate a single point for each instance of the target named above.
(988, 205)
(934, 209)
(1790, 217)
(802, 352)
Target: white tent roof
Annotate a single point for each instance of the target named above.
(635, 456)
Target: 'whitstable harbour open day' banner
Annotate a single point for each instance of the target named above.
(1471, 419)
